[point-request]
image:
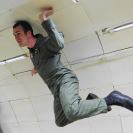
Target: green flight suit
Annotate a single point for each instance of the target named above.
(62, 82)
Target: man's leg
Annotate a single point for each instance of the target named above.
(93, 96)
(60, 117)
(75, 108)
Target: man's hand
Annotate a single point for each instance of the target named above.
(34, 71)
(45, 13)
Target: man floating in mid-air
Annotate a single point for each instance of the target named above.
(62, 82)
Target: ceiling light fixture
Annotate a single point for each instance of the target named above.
(20, 57)
(75, 1)
(117, 28)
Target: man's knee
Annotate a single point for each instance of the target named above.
(71, 112)
(63, 123)
(60, 124)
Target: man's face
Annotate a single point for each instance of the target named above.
(20, 36)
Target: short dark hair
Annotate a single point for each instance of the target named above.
(25, 25)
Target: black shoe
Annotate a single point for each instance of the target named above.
(117, 98)
(93, 96)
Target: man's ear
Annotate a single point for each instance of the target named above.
(29, 34)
